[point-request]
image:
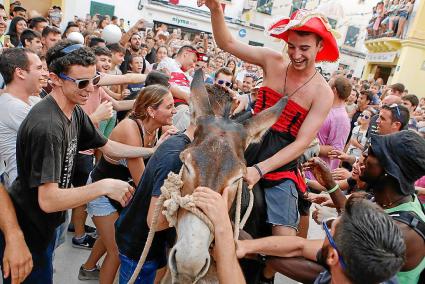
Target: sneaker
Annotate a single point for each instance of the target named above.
(85, 242)
(87, 228)
(84, 274)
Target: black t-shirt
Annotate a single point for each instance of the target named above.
(373, 126)
(46, 147)
(131, 227)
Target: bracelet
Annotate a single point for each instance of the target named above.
(258, 170)
(333, 189)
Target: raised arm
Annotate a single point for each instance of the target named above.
(130, 78)
(255, 55)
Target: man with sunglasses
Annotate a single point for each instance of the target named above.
(392, 118)
(48, 141)
(223, 77)
(363, 245)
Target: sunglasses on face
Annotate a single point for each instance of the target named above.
(326, 225)
(365, 116)
(81, 83)
(223, 82)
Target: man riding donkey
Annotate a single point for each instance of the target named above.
(210, 153)
(275, 160)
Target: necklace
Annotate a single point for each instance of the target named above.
(149, 133)
(393, 202)
(297, 89)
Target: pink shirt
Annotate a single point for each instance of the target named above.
(421, 183)
(334, 132)
(95, 99)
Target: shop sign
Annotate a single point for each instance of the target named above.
(242, 32)
(183, 22)
(384, 57)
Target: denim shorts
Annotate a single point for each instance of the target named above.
(146, 275)
(100, 206)
(282, 205)
(403, 14)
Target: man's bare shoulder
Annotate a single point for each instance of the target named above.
(269, 53)
(321, 89)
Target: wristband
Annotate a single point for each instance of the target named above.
(333, 189)
(258, 170)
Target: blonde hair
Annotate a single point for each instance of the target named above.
(151, 96)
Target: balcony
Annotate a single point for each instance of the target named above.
(383, 44)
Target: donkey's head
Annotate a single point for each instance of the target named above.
(215, 159)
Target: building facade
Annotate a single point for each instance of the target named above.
(400, 60)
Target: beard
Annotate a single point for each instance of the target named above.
(374, 183)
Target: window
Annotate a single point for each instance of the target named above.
(296, 5)
(265, 6)
(101, 9)
(351, 36)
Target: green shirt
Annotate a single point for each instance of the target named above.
(411, 276)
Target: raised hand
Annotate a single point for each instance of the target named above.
(320, 171)
(340, 174)
(337, 154)
(125, 93)
(103, 112)
(209, 3)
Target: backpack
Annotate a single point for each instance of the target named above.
(412, 220)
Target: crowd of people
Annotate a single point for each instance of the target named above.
(96, 126)
(389, 18)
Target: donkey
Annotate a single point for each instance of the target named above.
(214, 159)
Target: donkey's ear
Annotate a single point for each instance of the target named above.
(257, 126)
(199, 101)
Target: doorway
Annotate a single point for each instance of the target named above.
(383, 72)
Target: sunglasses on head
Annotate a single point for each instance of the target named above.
(81, 83)
(395, 106)
(223, 82)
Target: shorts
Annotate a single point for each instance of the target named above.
(403, 14)
(147, 273)
(282, 205)
(100, 206)
(181, 119)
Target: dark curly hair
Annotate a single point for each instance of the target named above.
(59, 62)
